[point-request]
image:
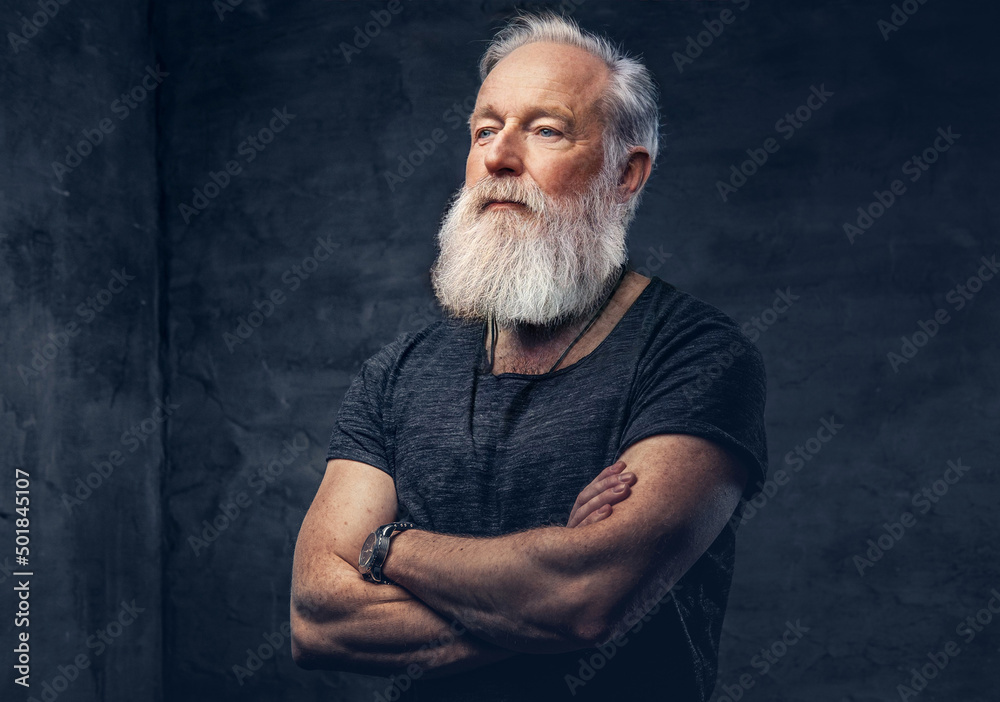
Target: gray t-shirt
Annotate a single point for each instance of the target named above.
(482, 455)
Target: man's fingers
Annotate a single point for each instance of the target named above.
(605, 479)
(596, 516)
(596, 489)
(600, 506)
(606, 498)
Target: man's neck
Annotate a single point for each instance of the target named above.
(533, 349)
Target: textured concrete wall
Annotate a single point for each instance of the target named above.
(80, 380)
(297, 220)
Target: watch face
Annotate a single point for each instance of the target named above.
(367, 554)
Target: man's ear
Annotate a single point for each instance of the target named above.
(636, 172)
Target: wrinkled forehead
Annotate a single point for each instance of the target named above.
(543, 76)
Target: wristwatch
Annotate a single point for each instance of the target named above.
(375, 550)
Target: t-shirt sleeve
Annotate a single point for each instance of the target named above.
(707, 379)
(360, 433)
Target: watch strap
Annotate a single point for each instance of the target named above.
(382, 543)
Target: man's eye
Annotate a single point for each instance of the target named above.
(481, 132)
(547, 132)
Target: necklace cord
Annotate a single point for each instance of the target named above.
(493, 334)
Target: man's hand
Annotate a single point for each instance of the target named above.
(594, 501)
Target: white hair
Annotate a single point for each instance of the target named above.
(629, 105)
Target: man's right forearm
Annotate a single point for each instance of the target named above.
(354, 625)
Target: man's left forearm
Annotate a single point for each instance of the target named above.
(522, 591)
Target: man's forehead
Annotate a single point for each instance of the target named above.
(557, 78)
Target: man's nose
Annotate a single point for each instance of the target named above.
(504, 153)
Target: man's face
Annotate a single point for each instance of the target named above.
(537, 232)
(537, 119)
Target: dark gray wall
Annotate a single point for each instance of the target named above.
(320, 186)
(80, 373)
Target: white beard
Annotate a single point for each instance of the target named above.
(549, 263)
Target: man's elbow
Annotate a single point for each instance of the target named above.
(574, 609)
(601, 627)
(310, 650)
(313, 631)
(608, 612)
(578, 622)
(590, 633)
(303, 656)
(320, 640)
(595, 622)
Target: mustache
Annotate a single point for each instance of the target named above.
(490, 189)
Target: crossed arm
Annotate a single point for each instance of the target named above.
(544, 590)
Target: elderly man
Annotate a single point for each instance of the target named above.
(567, 445)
